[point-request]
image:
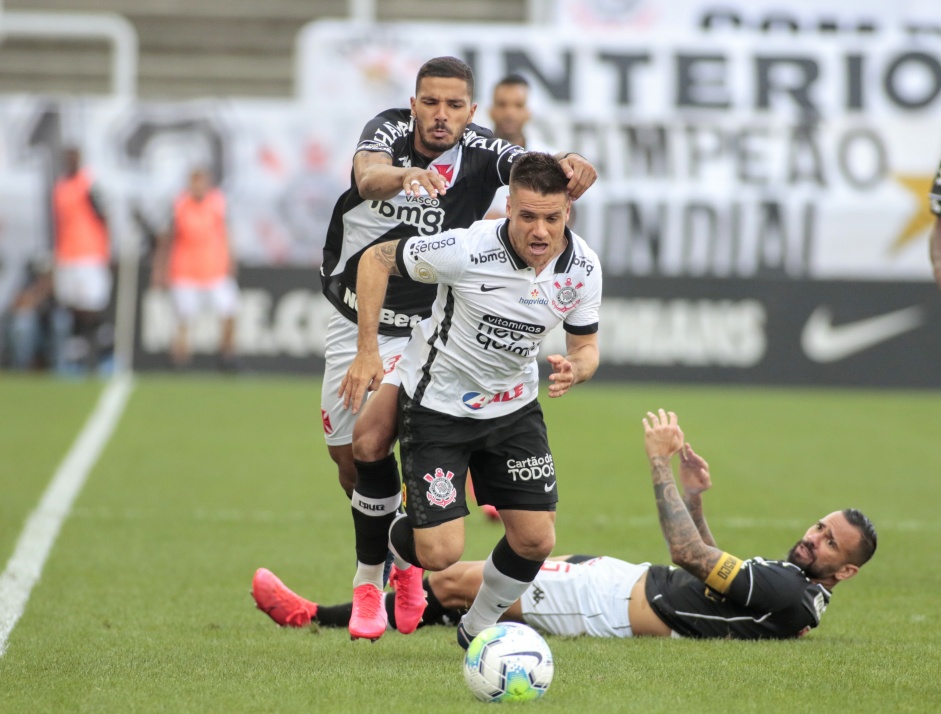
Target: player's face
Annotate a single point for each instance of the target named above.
(826, 548)
(537, 225)
(509, 111)
(442, 111)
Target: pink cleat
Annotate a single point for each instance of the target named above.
(279, 603)
(410, 598)
(369, 617)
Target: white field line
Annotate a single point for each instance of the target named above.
(41, 530)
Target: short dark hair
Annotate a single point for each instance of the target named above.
(867, 535)
(449, 68)
(512, 80)
(538, 172)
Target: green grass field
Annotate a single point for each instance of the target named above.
(144, 605)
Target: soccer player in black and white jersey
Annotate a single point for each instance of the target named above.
(712, 594)
(934, 200)
(416, 171)
(470, 379)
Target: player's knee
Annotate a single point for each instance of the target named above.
(436, 555)
(534, 546)
(371, 444)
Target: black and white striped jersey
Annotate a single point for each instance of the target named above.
(767, 599)
(934, 198)
(474, 168)
(476, 355)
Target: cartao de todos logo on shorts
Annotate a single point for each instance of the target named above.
(531, 469)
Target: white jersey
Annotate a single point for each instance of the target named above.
(476, 355)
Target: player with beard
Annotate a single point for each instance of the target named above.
(711, 595)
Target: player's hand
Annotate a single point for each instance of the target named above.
(562, 377)
(364, 375)
(415, 180)
(580, 173)
(694, 472)
(662, 434)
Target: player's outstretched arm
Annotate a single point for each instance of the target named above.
(372, 280)
(581, 174)
(695, 479)
(935, 250)
(579, 365)
(377, 179)
(663, 438)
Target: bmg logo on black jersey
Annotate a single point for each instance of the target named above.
(424, 214)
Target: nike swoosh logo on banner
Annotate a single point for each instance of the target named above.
(825, 342)
(491, 288)
(549, 486)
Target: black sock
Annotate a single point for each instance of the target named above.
(402, 537)
(436, 613)
(375, 504)
(334, 615)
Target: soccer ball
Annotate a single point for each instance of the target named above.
(508, 662)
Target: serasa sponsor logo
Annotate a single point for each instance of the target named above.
(425, 215)
(416, 248)
(386, 316)
(531, 469)
(496, 255)
(502, 339)
(476, 400)
(580, 261)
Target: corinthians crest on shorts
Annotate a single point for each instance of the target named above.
(441, 491)
(566, 297)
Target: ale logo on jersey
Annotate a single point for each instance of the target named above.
(475, 400)
(441, 491)
(566, 297)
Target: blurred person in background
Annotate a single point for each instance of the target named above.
(510, 113)
(36, 327)
(82, 277)
(194, 260)
(934, 250)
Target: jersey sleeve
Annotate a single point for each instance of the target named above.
(583, 320)
(383, 133)
(761, 585)
(440, 258)
(934, 197)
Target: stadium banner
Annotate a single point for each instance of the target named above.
(734, 154)
(709, 330)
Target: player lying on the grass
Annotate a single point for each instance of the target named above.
(606, 597)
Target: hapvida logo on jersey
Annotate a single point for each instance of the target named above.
(424, 213)
(532, 469)
(476, 400)
(441, 491)
(535, 298)
(566, 297)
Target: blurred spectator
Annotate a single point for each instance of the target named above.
(194, 260)
(36, 328)
(934, 249)
(510, 114)
(82, 276)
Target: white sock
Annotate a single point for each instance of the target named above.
(496, 594)
(371, 574)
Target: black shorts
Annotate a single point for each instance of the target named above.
(508, 456)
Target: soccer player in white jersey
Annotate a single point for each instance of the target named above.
(934, 244)
(469, 382)
(711, 594)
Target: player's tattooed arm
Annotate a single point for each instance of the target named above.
(687, 547)
(384, 254)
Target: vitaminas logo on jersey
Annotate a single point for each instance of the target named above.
(441, 491)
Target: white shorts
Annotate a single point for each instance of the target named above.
(339, 354)
(83, 286)
(588, 598)
(222, 297)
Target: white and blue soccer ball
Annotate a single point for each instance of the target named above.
(508, 662)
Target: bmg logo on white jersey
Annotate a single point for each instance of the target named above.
(531, 469)
(424, 214)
